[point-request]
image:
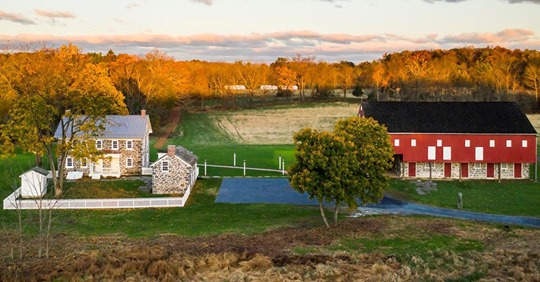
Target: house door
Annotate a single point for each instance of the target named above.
(464, 170)
(517, 171)
(490, 170)
(448, 170)
(115, 165)
(412, 169)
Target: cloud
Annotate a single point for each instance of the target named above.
(54, 14)
(503, 36)
(16, 18)
(206, 2)
(266, 47)
(132, 5)
(457, 1)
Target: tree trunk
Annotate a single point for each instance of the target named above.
(336, 211)
(321, 208)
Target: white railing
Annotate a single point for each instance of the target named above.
(12, 202)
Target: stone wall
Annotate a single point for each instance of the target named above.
(135, 154)
(175, 181)
(475, 170)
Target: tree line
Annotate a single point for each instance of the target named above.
(156, 81)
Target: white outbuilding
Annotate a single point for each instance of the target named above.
(34, 183)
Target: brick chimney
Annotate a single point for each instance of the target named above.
(143, 113)
(171, 150)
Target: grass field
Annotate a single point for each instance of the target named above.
(508, 197)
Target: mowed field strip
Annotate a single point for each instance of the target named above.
(277, 125)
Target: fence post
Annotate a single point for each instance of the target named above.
(204, 167)
(234, 159)
(244, 167)
(283, 168)
(279, 163)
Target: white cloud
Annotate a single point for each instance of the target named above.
(54, 14)
(16, 18)
(206, 2)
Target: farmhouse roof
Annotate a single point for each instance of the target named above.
(117, 126)
(450, 117)
(183, 154)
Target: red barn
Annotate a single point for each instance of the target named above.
(480, 140)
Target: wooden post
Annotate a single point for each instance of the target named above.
(499, 172)
(279, 163)
(460, 201)
(244, 167)
(234, 159)
(283, 167)
(429, 171)
(204, 167)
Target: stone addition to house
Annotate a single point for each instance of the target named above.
(175, 171)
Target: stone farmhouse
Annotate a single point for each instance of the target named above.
(175, 172)
(125, 145)
(457, 140)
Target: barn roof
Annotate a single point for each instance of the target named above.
(39, 170)
(118, 126)
(450, 117)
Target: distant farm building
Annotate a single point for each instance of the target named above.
(175, 172)
(458, 140)
(268, 87)
(34, 183)
(235, 87)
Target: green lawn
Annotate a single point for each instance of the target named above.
(511, 197)
(201, 217)
(92, 189)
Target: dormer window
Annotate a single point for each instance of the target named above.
(99, 144)
(114, 145)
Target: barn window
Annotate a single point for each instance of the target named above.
(432, 153)
(509, 143)
(467, 143)
(114, 145)
(439, 143)
(129, 144)
(524, 143)
(492, 143)
(165, 166)
(447, 153)
(396, 143)
(129, 162)
(99, 144)
(413, 142)
(69, 162)
(479, 153)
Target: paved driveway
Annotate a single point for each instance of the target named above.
(278, 191)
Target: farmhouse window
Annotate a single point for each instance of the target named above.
(129, 144)
(524, 143)
(467, 143)
(165, 166)
(447, 153)
(492, 143)
(69, 162)
(413, 142)
(432, 153)
(114, 145)
(396, 143)
(129, 162)
(84, 162)
(508, 143)
(99, 144)
(479, 153)
(439, 143)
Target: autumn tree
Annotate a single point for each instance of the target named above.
(59, 84)
(343, 166)
(347, 74)
(532, 77)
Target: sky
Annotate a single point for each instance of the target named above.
(263, 30)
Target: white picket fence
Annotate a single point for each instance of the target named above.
(13, 202)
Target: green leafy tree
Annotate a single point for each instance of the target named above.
(343, 166)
